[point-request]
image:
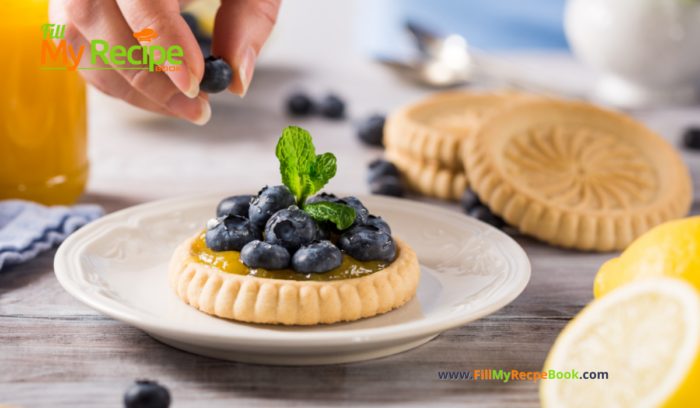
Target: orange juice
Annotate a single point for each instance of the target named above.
(43, 124)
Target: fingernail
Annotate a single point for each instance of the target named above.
(185, 80)
(195, 110)
(245, 70)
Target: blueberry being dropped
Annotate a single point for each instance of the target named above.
(691, 138)
(318, 257)
(258, 254)
(371, 130)
(483, 213)
(388, 186)
(469, 200)
(290, 228)
(230, 233)
(146, 394)
(268, 201)
(235, 205)
(379, 168)
(217, 75)
(332, 107)
(299, 104)
(378, 222)
(367, 243)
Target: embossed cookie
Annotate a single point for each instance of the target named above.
(433, 129)
(429, 178)
(575, 175)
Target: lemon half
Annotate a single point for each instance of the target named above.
(646, 336)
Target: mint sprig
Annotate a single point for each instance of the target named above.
(341, 215)
(306, 173)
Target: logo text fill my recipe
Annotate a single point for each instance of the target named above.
(505, 376)
(153, 56)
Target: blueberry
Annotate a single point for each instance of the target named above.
(323, 231)
(379, 168)
(258, 254)
(235, 205)
(322, 197)
(367, 243)
(371, 131)
(482, 213)
(378, 222)
(361, 212)
(230, 233)
(691, 138)
(290, 229)
(217, 75)
(469, 200)
(388, 186)
(300, 104)
(318, 257)
(332, 107)
(268, 201)
(146, 394)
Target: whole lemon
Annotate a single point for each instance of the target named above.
(671, 249)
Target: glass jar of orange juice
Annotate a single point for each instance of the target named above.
(43, 123)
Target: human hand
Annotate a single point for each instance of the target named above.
(240, 30)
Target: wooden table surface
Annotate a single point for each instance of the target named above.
(56, 352)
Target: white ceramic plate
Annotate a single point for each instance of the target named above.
(118, 265)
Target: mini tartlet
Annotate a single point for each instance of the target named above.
(283, 257)
(575, 175)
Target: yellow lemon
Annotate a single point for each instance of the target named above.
(672, 249)
(644, 337)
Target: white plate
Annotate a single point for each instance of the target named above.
(118, 265)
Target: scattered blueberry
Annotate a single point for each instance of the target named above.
(691, 138)
(323, 231)
(367, 243)
(361, 212)
(300, 104)
(268, 201)
(317, 257)
(146, 394)
(371, 131)
(379, 168)
(321, 197)
(290, 229)
(258, 254)
(388, 186)
(235, 205)
(217, 75)
(469, 200)
(332, 107)
(230, 233)
(483, 213)
(378, 222)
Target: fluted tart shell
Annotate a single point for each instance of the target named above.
(575, 175)
(276, 301)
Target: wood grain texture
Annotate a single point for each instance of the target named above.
(55, 352)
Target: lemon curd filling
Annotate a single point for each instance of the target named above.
(230, 262)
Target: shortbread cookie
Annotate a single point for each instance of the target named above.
(292, 302)
(433, 129)
(575, 175)
(429, 178)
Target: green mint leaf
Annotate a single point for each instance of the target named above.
(340, 214)
(296, 153)
(322, 170)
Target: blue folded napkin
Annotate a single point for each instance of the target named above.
(27, 228)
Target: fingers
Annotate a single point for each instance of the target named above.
(163, 16)
(113, 29)
(240, 30)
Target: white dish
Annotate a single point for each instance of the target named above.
(118, 265)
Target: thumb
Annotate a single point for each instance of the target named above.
(241, 28)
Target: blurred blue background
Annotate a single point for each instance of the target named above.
(486, 24)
